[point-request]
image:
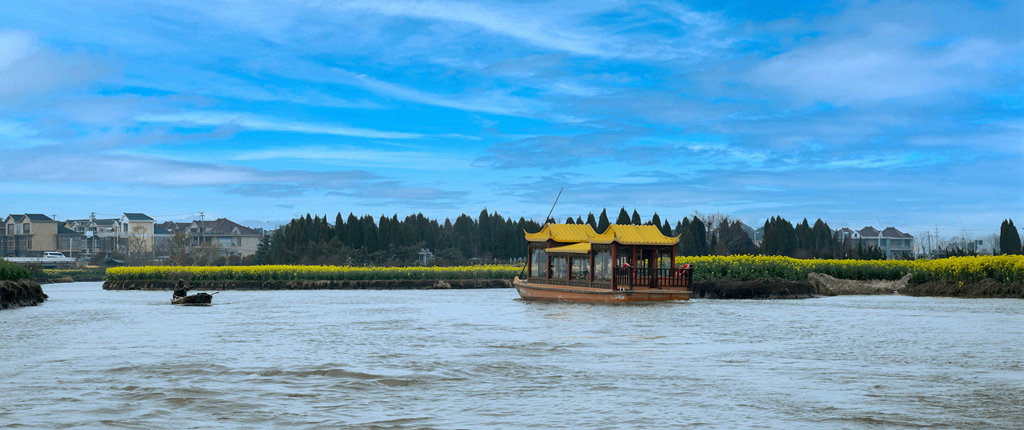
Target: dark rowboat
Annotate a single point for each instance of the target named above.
(198, 299)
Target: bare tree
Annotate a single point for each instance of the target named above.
(179, 250)
(726, 236)
(137, 247)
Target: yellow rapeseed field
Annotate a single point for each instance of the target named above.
(1002, 268)
(307, 273)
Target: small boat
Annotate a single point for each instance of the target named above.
(625, 263)
(198, 299)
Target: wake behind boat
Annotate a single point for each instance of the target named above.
(625, 263)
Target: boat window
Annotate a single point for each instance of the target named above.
(580, 268)
(539, 263)
(559, 267)
(664, 260)
(603, 266)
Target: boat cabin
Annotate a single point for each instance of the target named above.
(621, 258)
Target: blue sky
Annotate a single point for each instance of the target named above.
(905, 114)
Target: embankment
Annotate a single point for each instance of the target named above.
(826, 285)
(23, 292)
(815, 285)
(451, 284)
(759, 289)
(987, 288)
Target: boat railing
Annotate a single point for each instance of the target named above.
(630, 277)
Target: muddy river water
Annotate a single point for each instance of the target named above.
(477, 359)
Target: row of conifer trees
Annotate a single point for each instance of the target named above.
(493, 238)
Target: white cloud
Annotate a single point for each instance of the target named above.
(255, 122)
(364, 157)
(570, 27)
(29, 69)
(885, 63)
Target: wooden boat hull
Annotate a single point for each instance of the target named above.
(194, 300)
(565, 293)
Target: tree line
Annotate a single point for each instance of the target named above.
(491, 238)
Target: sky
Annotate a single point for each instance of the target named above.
(861, 113)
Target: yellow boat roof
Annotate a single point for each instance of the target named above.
(576, 248)
(634, 235)
(584, 234)
(565, 233)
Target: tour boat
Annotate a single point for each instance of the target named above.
(625, 263)
(194, 299)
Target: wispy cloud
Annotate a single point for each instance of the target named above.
(256, 122)
(28, 69)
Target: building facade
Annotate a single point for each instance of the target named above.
(28, 235)
(892, 242)
(230, 237)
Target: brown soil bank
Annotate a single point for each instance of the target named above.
(451, 284)
(760, 289)
(20, 293)
(988, 288)
(826, 285)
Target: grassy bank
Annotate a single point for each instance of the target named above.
(17, 287)
(1004, 269)
(71, 275)
(308, 273)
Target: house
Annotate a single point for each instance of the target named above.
(230, 237)
(28, 235)
(892, 242)
(99, 234)
(138, 228)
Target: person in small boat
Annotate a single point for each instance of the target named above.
(181, 290)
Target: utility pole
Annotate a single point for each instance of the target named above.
(202, 228)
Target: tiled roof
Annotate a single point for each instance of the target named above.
(583, 233)
(38, 217)
(137, 216)
(635, 235)
(565, 233)
(892, 232)
(868, 232)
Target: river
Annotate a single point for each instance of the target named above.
(484, 359)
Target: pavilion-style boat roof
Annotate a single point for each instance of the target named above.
(581, 236)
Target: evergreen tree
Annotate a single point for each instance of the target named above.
(824, 240)
(1009, 239)
(623, 218)
(354, 228)
(484, 233)
(636, 218)
(591, 221)
(655, 220)
(602, 223)
(699, 232)
(570, 221)
(339, 228)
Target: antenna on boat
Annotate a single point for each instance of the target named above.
(545, 222)
(553, 205)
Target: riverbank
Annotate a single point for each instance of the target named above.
(403, 284)
(826, 285)
(816, 285)
(23, 292)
